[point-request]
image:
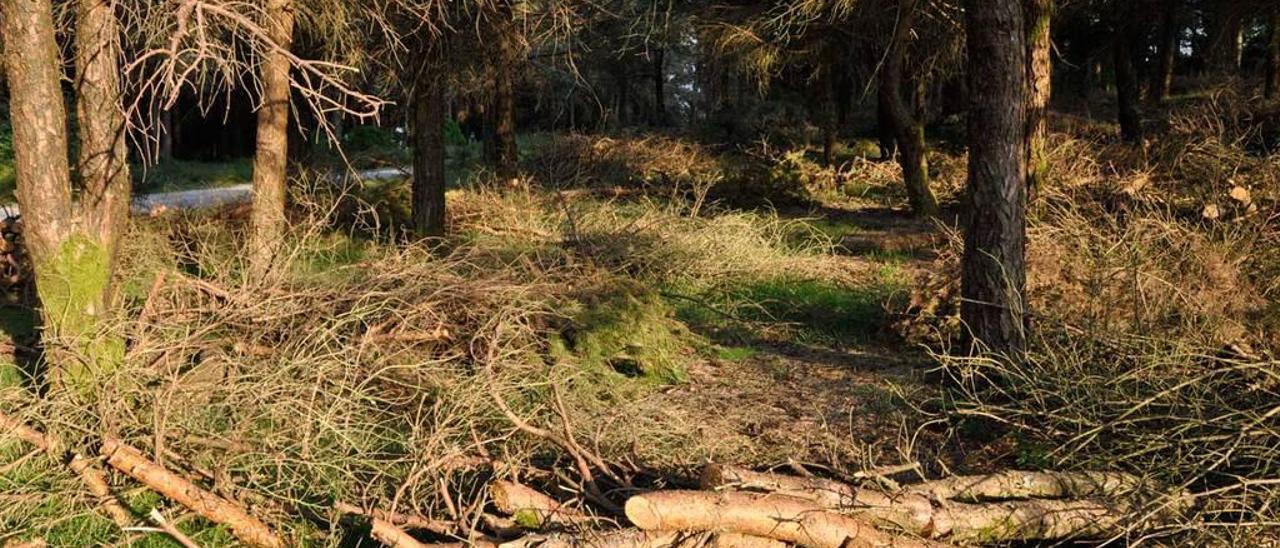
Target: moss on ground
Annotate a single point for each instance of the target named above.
(631, 330)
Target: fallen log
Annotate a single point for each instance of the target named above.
(247, 528)
(390, 535)
(622, 538)
(90, 475)
(927, 512)
(1013, 484)
(778, 517)
(737, 540)
(531, 509)
(911, 513)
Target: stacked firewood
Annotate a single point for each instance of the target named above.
(15, 267)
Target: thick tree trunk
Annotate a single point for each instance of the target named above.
(1272, 87)
(1127, 94)
(907, 129)
(103, 157)
(503, 152)
(270, 180)
(1167, 51)
(659, 87)
(828, 119)
(1038, 19)
(72, 265)
(993, 278)
(429, 147)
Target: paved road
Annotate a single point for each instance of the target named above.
(204, 198)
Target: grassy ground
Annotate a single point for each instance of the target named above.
(610, 298)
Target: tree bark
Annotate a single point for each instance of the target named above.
(659, 87)
(1167, 51)
(1224, 30)
(103, 156)
(1127, 94)
(907, 129)
(72, 266)
(1272, 87)
(503, 152)
(993, 274)
(1038, 19)
(270, 181)
(428, 145)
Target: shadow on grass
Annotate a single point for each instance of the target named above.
(794, 311)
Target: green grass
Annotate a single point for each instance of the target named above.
(799, 310)
(735, 353)
(177, 175)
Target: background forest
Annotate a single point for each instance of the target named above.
(640, 273)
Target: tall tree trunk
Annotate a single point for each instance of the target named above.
(1127, 94)
(659, 87)
(72, 265)
(428, 146)
(1038, 19)
(907, 129)
(884, 129)
(1225, 37)
(103, 156)
(993, 278)
(505, 157)
(1272, 87)
(844, 101)
(1167, 51)
(270, 180)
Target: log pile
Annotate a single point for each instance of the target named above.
(734, 507)
(15, 267)
(743, 508)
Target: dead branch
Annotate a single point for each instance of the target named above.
(168, 528)
(392, 536)
(524, 503)
(407, 521)
(208, 505)
(623, 538)
(33, 543)
(777, 517)
(93, 477)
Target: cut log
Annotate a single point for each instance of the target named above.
(779, 517)
(1012, 485)
(208, 505)
(531, 509)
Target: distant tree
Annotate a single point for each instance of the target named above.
(1225, 28)
(993, 281)
(1272, 87)
(429, 106)
(1166, 49)
(1126, 37)
(906, 123)
(1038, 20)
(507, 53)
